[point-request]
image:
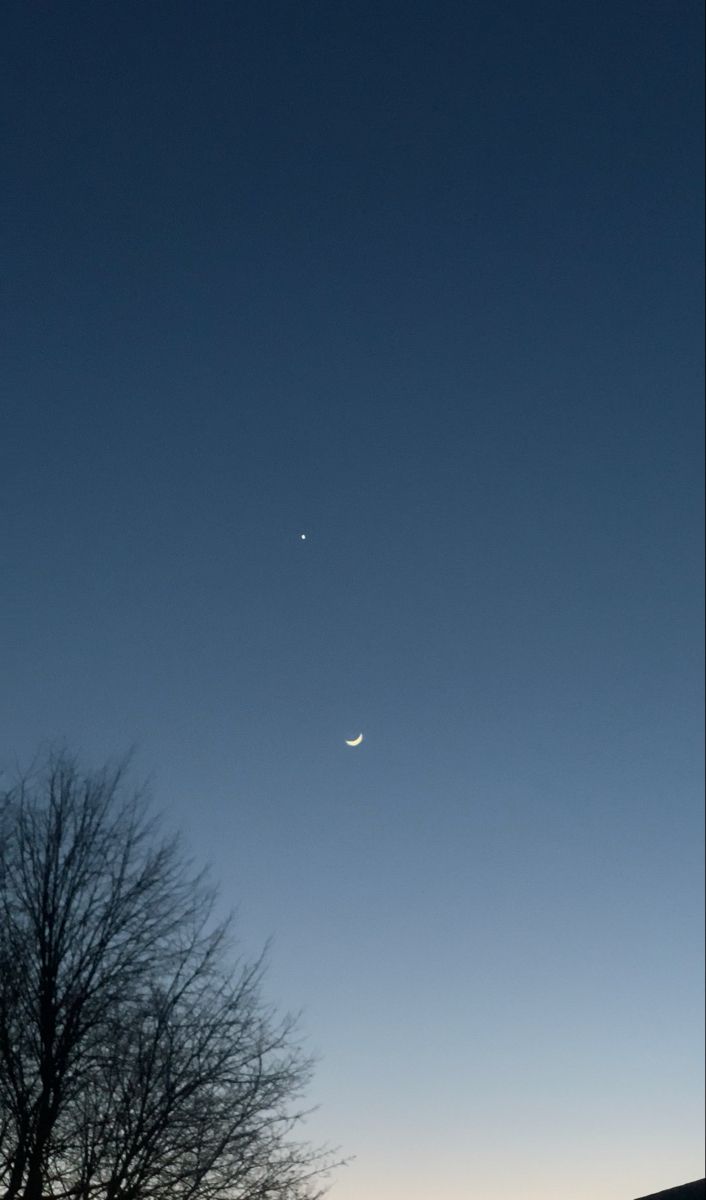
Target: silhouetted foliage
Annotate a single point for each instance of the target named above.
(134, 1062)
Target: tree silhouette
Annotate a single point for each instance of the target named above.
(135, 1061)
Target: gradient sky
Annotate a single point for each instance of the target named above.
(423, 281)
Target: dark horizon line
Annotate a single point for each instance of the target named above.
(695, 1190)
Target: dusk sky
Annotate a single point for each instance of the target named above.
(424, 283)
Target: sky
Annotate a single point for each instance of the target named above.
(422, 282)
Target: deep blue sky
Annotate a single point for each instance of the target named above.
(423, 281)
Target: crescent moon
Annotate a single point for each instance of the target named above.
(355, 741)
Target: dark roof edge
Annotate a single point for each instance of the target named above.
(686, 1191)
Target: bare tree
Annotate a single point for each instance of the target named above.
(135, 1063)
